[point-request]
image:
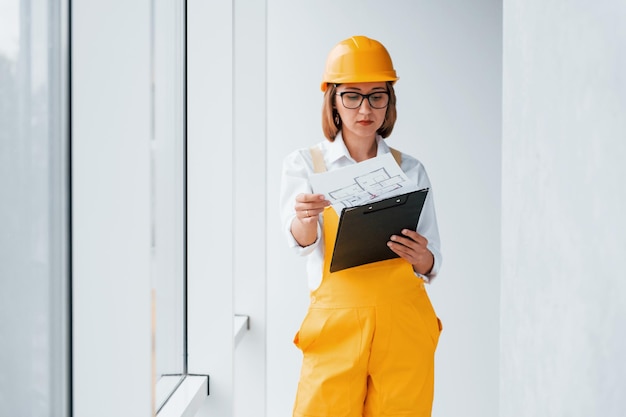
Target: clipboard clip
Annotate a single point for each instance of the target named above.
(391, 202)
(397, 201)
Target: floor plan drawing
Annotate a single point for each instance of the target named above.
(362, 183)
(366, 188)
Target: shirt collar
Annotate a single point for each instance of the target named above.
(337, 149)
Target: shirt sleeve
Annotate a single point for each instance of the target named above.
(296, 169)
(427, 225)
(428, 228)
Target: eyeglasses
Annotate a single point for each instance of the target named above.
(353, 100)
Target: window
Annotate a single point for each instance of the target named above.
(168, 195)
(34, 209)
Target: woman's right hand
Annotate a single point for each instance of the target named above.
(308, 208)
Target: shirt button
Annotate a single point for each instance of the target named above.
(313, 300)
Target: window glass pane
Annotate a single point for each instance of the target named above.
(168, 191)
(34, 274)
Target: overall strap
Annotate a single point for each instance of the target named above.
(320, 166)
(318, 160)
(397, 155)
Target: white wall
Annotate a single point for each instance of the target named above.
(250, 208)
(563, 301)
(448, 57)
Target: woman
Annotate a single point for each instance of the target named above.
(369, 337)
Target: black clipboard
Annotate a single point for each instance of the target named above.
(364, 231)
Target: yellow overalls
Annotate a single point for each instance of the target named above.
(368, 341)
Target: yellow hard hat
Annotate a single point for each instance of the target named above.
(356, 60)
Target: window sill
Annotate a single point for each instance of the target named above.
(188, 397)
(241, 324)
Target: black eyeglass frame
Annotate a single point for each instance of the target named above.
(363, 97)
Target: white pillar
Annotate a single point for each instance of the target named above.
(210, 199)
(563, 300)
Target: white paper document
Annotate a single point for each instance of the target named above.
(366, 182)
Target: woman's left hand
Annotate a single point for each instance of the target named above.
(412, 247)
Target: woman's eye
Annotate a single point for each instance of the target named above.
(352, 97)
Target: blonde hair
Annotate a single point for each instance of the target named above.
(331, 129)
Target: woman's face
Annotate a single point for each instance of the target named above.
(361, 121)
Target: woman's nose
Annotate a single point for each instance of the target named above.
(365, 107)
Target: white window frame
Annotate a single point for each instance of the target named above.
(112, 370)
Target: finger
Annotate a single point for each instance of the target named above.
(309, 198)
(305, 213)
(307, 210)
(402, 251)
(307, 220)
(414, 255)
(398, 248)
(413, 235)
(406, 241)
(306, 206)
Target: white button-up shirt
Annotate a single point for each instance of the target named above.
(298, 166)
